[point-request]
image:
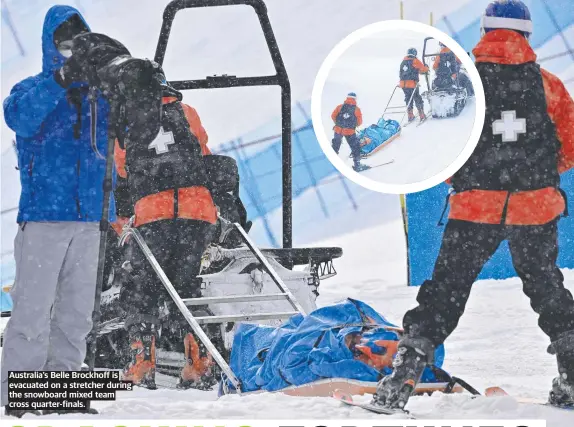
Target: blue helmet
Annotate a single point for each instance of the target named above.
(352, 95)
(507, 14)
(412, 52)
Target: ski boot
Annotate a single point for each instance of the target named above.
(359, 167)
(422, 116)
(141, 368)
(562, 393)
(394, 390)
(411, 116)
(19, 413)
(197, 372)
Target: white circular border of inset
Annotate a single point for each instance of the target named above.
(397, 26)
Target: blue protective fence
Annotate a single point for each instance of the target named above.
(552, 21)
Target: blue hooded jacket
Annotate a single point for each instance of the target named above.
(61, 176)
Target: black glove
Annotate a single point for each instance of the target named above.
(69, 73)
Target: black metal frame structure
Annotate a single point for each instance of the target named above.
(280, 79)
(425, 56)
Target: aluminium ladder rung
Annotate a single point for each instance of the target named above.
(245, 317)
(233, 299)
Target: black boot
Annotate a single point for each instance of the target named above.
(19, 413)
(200, 370)
(141, 368)
(359, 167)
(394, 391)
(562, 392)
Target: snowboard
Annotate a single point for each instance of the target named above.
(347, 399)
(500, 392)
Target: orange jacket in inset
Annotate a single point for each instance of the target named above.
(417, 65)
(193, 202)
(534, 207)
(358, 115)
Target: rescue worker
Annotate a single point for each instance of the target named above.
(160, 150)
(447, 68)
(409, 72)
(175, 214)
(509, 189)
(347, 117)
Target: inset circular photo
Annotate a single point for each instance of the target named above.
(398, 106)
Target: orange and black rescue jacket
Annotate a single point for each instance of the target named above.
(191, 201)
(347, 117)
(447, 63)
(409, 72)
(516, 181)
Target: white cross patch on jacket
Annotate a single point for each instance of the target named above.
(509, 126)
(162, 141)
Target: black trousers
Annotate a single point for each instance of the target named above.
(466, 247)
(353, 142)
(417, 99)
(177, 245)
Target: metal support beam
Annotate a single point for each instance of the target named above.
(233, 299)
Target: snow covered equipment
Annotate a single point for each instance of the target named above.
(447, 97)
(402, 109)
(378, 136)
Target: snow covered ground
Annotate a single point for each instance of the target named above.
(496, 343)
(370, 68)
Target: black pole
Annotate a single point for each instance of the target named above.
(427, 78)
(104, 228)
(287, 177)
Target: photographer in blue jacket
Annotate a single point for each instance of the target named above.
(62, 173)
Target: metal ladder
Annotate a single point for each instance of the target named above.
(399, 109)
(196, 322)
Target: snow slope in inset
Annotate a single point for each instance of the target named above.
(370, 68)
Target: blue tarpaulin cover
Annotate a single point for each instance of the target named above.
(378, 134)
(312, 347)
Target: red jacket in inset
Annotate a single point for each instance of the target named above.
(358, 115)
